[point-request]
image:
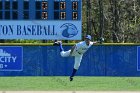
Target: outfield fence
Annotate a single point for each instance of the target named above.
(99, 60)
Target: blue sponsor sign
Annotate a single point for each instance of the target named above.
(138, 58)
(11, 58)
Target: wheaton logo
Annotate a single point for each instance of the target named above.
(11, 58)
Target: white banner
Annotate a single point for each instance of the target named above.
(49, 30)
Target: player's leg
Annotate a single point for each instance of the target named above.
(76, 66)
(65, 53)
(61, 47)
(62, 52)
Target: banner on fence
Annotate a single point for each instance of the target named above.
(11, 58)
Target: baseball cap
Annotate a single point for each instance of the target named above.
(88, 37)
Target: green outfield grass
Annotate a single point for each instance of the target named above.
(62, 83)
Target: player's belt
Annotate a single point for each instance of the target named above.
(79, 53)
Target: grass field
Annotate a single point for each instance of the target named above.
(63, 84)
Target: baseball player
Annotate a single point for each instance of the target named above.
(77, 51)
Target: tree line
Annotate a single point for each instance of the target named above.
(118, 21)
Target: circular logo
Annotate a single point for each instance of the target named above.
(69, 30)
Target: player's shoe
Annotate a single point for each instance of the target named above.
(60, 42)
(71, 78)
(57, 43)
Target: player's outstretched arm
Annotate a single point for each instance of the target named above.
(99, 41)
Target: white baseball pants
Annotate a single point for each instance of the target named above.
(78, 58)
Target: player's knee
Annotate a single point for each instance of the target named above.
(62, 54)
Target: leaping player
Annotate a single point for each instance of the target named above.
(77, 51)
